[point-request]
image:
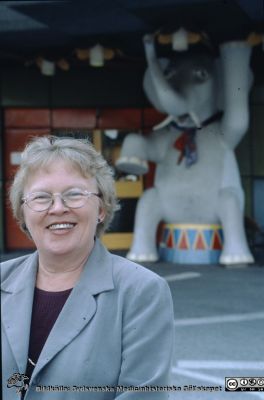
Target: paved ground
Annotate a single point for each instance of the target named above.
(219, 327)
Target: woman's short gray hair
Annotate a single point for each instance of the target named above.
(41, 151)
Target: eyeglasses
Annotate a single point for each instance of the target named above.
(42, 201)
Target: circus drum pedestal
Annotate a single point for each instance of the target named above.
(191, 243)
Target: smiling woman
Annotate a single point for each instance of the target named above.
(78, 154)
(56, 227)
(72, 302)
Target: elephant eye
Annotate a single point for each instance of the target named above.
(200, 74)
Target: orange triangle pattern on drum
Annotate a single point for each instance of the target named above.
(183, 241)
(170, 243)
(216, 241)
(200, 242)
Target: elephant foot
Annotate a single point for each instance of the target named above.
(132, 165)
(150, 257)
(232, 259)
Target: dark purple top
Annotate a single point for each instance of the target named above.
(46, 309)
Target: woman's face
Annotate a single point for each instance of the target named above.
(61, 230)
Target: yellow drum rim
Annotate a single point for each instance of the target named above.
(192, 226)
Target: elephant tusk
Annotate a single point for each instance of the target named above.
(164, 123)
(195, 119)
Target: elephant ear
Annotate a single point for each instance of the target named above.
(149, 88)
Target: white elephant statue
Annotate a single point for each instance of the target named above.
(197, 179)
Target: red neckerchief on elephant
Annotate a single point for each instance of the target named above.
(186, 143)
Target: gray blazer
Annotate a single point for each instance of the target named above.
(116, 328)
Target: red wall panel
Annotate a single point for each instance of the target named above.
(73, 118)
(27, 118)
(152, 117)
(128, 118)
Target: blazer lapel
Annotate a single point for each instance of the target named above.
(17, 298)
(80, 306)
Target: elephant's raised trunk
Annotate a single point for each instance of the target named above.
(171, 102)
